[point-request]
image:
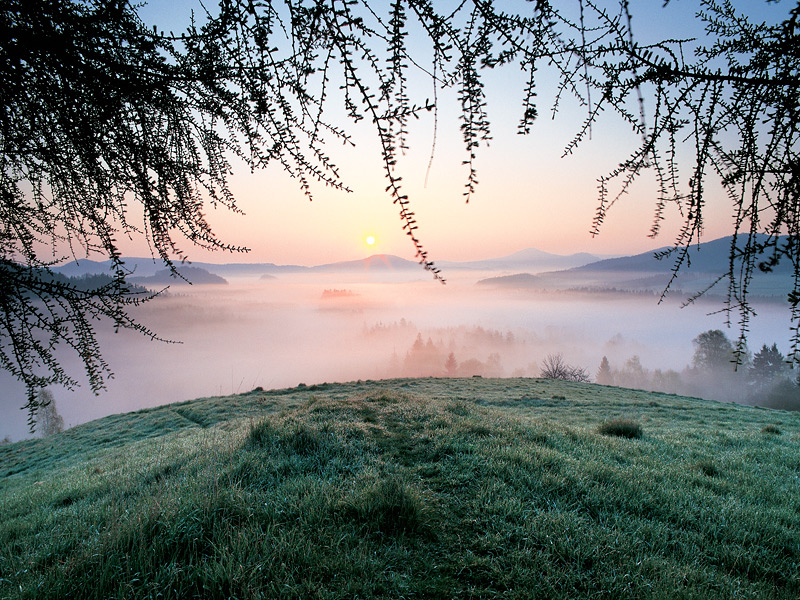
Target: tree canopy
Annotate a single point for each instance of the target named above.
(768, 365)
(112, 128)
(713, 351)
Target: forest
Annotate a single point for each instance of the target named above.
(763, 378)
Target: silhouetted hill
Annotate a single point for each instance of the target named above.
(645, 272)
(194, 275)
(148, 267)
(377, 262)
(140, 267)
(80, 268)
(708, 257)
(530, 259)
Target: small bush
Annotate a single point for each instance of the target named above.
(296, 439)
(707, 468)
(302, 440)
(261, 435)
(771, 429)
(390, 507)
(621, 428)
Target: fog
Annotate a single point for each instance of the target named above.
(313, 328)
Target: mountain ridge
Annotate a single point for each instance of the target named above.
(704, 258)
(530, 257)
(705, 263)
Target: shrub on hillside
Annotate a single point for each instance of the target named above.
(390, 507)
(707, 468)
(261, 434)
(302, 440)
(555, 367)
(621, 428)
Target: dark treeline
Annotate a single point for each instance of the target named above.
(88, 282)
(764, 378)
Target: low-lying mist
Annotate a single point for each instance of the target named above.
(313, 328)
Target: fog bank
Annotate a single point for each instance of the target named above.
(313, 328)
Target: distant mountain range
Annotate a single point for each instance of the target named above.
(379, 262)
(704, 258)
(646, 272)
(148, 267)
(526, 269)
(530, 259)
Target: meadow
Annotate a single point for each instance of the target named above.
(409, 488)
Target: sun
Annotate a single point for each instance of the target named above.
(370, 240)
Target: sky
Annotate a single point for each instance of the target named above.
(527, 197)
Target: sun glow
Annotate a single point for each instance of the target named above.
(370, 240)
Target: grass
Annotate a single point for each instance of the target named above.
(624, 428)
(472, 488)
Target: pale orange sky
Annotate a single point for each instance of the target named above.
(527, 196)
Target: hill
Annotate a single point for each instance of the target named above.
(646, 272)
(379, 262)
(464, 488)
(530, 259)
(149, 267)
(194, 275)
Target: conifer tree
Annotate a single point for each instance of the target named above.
(768, 364)
(451, 365)
(604, 374)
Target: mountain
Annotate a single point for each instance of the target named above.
(377, 262)
(148, 267)
(140, 267)
(194, 275)
(530, 259)
(83, 267)
(707, 257)
(705, 263)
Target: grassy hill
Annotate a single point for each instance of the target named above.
(470, 488)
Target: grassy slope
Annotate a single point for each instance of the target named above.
(409, 489)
